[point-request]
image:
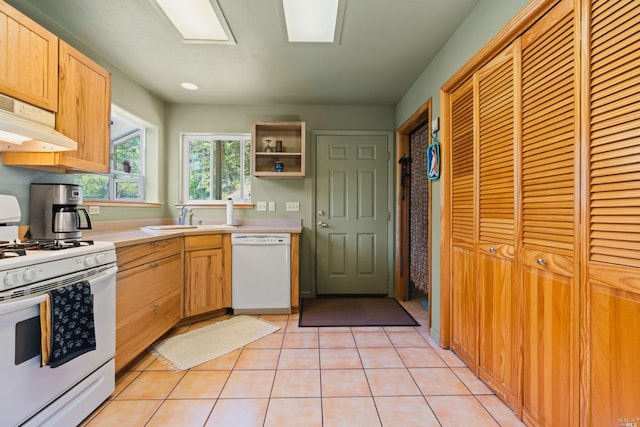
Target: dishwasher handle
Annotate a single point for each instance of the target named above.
(270, 239)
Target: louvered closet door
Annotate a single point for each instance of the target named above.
(463, 284)
(498, 358)
(550, 223)
(614, 213)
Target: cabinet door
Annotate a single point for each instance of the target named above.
(550, 207)
(147, 305)
(613, 308)
(84, 111)
(28, 60)
(464, 288)
(205, 285)
(497, 143)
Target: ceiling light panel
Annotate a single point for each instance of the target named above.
(197, 20)
(311, 21)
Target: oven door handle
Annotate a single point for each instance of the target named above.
(11, 306)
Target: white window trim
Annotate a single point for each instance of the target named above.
(138, 178)
(243, 138)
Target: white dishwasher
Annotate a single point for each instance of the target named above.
(261, 273)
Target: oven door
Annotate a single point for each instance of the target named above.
(25, 386)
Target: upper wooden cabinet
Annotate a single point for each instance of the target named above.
(84, 114)
(267, 160)
(84, 111)
(28, 60)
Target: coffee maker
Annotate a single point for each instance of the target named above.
(55, 214)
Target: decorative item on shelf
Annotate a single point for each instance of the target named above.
(278, 146)
(126, 166)
(268, 148)
(278, 167)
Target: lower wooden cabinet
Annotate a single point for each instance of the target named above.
(207, 284)
(499, 327)
(550, 348)
(148, 295)
(464, 322)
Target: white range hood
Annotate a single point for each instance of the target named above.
(24, 127)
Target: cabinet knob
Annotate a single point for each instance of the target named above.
(219, 278)
(154, 265)
(155, 244)
(492, 250)
(154, 306)
(541, 261)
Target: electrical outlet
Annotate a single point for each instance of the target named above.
(293, 206)
(94, 210)
(261, 206)
(272, 206)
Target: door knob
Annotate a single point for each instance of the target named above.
(322, 224)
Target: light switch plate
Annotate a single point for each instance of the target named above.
(435, 124)
(272, 206)
(292, 207)
(261, 206)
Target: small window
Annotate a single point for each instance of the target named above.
(216, 167)
(126, 180)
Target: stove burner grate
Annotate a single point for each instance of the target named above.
(14, 249)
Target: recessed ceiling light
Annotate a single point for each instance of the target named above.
(197, 20)
(312, 21)
(189, 86)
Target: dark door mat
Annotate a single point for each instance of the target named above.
(354, 311)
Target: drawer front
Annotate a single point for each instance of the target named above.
(138, 331)
(132, 256)
(204, 241)
(138, 287)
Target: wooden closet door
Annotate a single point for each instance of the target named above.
(499, 327)
(550, 219)
(464, 288)
(613, 309)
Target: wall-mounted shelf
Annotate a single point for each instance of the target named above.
(292, 135)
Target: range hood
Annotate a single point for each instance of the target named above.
(24, 127)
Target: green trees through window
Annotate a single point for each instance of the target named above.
(217, 167)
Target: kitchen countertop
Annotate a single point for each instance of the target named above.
(132, 236)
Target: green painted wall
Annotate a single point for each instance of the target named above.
(482, 24)
(238, 119)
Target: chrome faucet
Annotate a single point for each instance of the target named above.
(183, 215)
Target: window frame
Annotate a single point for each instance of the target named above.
(136, 178)
(245, 141)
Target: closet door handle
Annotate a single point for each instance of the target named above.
(541, 261)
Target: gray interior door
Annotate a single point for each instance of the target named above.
(352, 214)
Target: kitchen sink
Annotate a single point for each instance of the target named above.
(172, 227)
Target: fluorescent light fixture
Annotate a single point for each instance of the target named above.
(12, 138)
(312, 21)
(189, 86)
(197, 20)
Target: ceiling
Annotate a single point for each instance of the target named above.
(385, 46)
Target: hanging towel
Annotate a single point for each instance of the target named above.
(66, 323)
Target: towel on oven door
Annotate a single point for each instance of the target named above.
(66, 323)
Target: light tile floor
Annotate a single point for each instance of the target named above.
(392, 376)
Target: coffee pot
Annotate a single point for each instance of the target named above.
(55, 214)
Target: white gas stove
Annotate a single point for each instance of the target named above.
(32, 395)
